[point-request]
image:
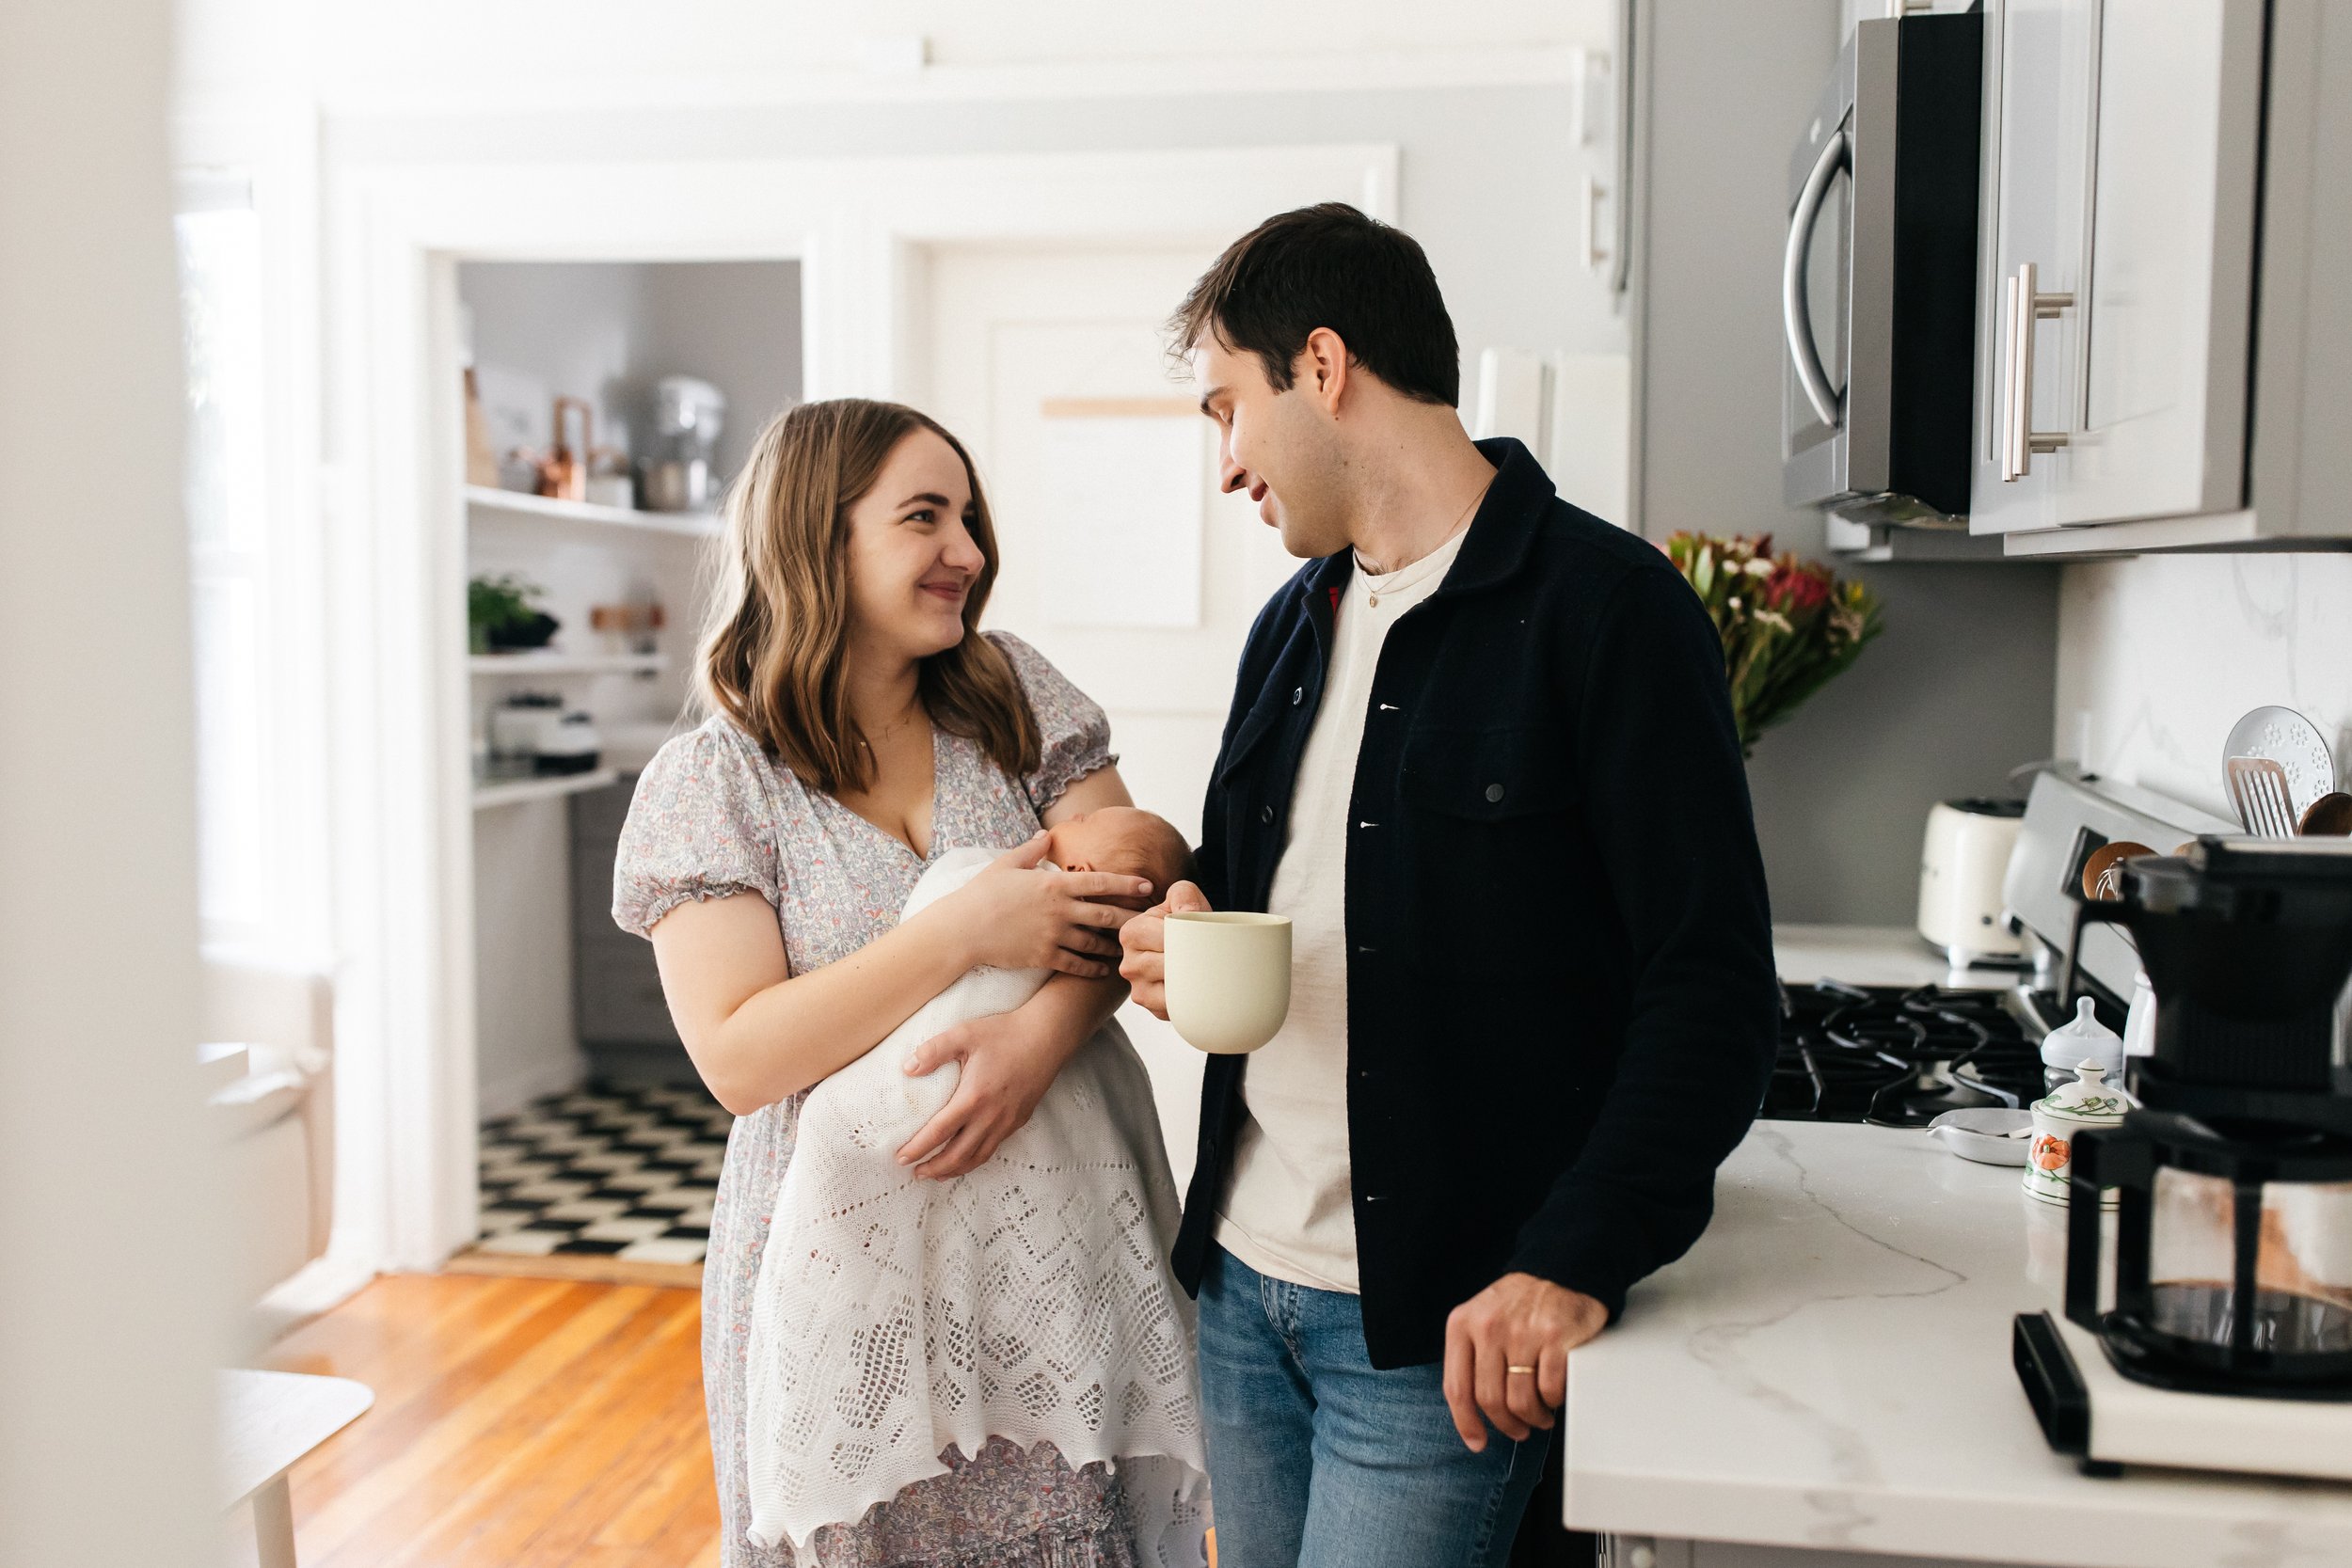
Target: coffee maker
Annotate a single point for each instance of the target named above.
(2226, 1339)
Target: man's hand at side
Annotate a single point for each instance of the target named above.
(1144, 939)
(1518, 1320)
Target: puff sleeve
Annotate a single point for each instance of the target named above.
(702, 825)
(1074, 735)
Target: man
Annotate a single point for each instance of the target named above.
(1482, 755)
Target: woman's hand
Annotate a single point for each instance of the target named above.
(1009, 1061)
(1016, 916)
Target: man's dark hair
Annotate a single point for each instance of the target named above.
(1333, 267)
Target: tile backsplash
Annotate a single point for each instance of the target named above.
(2158, 656)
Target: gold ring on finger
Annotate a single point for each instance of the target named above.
(1521, 1371)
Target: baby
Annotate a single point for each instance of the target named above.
(1125, 840)
(1029, 1299)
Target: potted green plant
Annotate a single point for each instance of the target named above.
(501, 618)
(1788, 624)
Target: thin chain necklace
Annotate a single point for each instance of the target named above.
(900, 723)
(1411, 576)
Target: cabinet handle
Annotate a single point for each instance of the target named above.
(2023, 305)
(1593, 255)
(1796, 317)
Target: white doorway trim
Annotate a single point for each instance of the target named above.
(403, 834)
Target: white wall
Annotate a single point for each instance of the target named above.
(1489, 175)
(111, 1308)
(2160, 654)
(575, 330)
(737, 325)
(608, 331)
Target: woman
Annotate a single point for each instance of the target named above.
(860, 728)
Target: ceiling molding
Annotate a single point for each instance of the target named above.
(1543, 65)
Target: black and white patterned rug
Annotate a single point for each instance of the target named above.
(604, 1172)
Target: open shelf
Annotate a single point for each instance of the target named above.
(538, 663)
(483, 500)
(515, 792)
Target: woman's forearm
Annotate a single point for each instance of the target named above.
(1070, 1008)
(800, 1031)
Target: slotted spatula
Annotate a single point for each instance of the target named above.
(2258, 788)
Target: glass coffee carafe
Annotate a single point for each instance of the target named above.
(2234, 1255)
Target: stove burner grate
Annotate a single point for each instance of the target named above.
(1897, 1057)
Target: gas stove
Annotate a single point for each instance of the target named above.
(1897, 1057)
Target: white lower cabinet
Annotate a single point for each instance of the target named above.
(1642, 1551)
(2163, 348)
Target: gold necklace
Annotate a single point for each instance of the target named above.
(902, 722)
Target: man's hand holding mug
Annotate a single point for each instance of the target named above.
(1144, 938)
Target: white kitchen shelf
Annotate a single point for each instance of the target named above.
(484, 500)
(536, 663)
(515, 792)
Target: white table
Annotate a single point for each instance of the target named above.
(268, 1421)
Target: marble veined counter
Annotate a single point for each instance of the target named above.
(1873, 955)
(1829, 1367)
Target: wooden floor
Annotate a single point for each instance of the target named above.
(520, 1423)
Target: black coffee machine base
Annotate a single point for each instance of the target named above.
(2055, 1387)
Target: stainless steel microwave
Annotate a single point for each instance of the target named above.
(1878, 280)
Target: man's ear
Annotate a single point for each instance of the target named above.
(1323, 370)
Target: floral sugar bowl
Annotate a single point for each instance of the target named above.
(2089, 1101)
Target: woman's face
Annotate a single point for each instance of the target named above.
(913, 560)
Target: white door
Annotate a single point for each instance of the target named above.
(1121, 562)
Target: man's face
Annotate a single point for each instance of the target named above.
(1282, 448)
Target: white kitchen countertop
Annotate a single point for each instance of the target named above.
(1872, 956)
(1830, 1368)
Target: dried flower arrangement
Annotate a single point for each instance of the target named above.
(1788, 624)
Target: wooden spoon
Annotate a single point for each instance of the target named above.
(2330, 815)
(2100, 883)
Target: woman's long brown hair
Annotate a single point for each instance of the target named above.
(774, 656)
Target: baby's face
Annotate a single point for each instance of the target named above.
(1124, 840)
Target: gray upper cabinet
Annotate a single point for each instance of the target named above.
(2127, 316)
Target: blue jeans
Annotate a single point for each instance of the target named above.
(1318, 1460)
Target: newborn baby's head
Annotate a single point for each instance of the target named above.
(1124, 840)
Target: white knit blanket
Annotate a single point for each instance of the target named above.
(1030, 1299)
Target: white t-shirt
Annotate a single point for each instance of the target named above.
(1289, 1211)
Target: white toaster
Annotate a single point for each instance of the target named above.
(1961, 867)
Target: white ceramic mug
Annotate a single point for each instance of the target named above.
(1229, 979)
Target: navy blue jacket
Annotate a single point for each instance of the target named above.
(1562, 1007)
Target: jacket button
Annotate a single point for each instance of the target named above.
(1494, 793)
(1299, 695)
(1265, 814)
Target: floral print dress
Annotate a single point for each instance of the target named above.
(713, 816)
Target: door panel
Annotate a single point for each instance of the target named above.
(2167, 308)
(1011, 332)
(2041, 66)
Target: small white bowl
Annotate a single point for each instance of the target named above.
(1983, 1134)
